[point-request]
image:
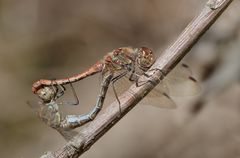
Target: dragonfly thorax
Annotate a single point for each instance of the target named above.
(145, 58)
(120, 58)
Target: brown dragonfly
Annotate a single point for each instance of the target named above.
(121, 68)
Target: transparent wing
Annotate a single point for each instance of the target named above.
(39, 110)
(181, 83)
(50, 117)
(47, 113)
(67, 134)
(121, 85)
(36, 106)
(158, 97)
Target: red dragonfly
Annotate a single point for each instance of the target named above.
(119, 62)
(130, 63)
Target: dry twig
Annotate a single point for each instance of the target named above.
(81, 143)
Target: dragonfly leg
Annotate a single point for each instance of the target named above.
(76, 100)
(56, 89)
(154, 70)
(133, 75)
(74, 121)
(62, 91)
(114, 89)
(141, 83)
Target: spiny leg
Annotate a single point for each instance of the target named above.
(133, 75)
(131, 69)
(114, 89)
(61, 92)
(74, 121)
(56, 89)
(141, 83)
(63, 89)
(76, 101)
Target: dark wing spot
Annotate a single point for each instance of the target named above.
(165, 94)
(185, 65)
(192, 79)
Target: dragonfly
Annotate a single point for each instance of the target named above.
(129, 63)
(121, 68)
(119, 62)
(48, 111)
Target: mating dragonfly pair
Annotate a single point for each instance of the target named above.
(120, 68)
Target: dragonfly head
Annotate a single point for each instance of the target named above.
(47, 94)
(145, 58)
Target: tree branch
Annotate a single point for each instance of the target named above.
(170, 58)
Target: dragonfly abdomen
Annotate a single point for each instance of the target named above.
(96, 68)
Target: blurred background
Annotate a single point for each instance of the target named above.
(56, 39)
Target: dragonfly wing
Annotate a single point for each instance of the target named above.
(46, 113)
(181, 70)
(39, 110)
(35, 105)
(50, 117)
(122, 85)
(159, 97)
(67, 134)
(181, 83)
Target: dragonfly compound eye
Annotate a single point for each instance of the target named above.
(145, 58)
(46, 94)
